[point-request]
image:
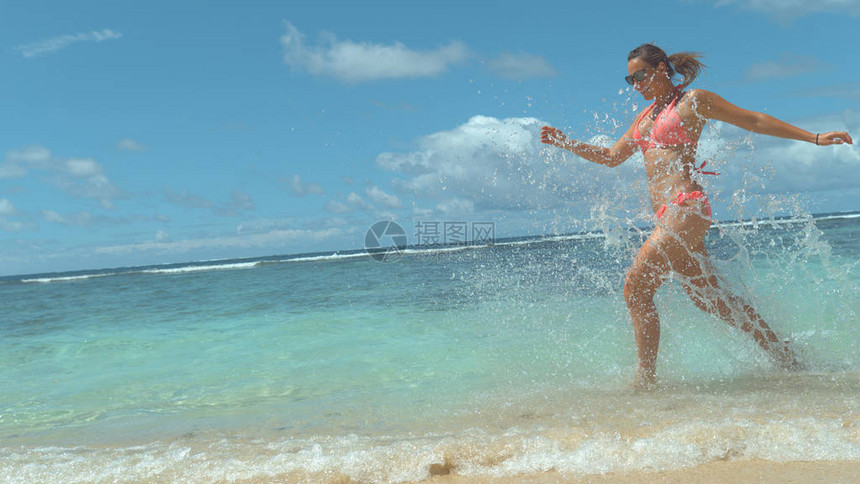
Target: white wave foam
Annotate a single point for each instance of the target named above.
(214, 267)
(334, 256)
(839, 216)
(45, 280)
(571, 451)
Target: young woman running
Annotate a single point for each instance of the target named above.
(667, 132)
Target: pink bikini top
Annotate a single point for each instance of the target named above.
(667, 130)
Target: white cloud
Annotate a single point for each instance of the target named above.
(355, 201)
(78, 177)
(128, 144)
(379, 197)
(788, 65)
(268, 240)
(520, 66)
(797, 167)
(82, 167)
(6, 207)
(10, 170)
(80, 219)
(786, 10)
(498, 164)
(336, 206)
(356, 62)
(54, 44)
(300, 189)
(849, 90)
(187, 200)
(13, 226)
(17, 162)
(488, 165)
(239, 202)
(256, 226)
(456, 207)
(348, 204)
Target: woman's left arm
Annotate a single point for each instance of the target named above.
(712, 106)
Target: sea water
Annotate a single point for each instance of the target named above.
(492, 360)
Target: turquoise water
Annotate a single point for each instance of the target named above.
(496, 360)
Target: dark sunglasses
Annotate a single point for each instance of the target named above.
(637, 76)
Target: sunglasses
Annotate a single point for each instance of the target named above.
(637, 76)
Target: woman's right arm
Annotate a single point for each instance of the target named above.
(611, 157)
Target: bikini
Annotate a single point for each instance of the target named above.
(668, 131)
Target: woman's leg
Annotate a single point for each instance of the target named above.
(710, 295)
(677, 244)
(645, 276)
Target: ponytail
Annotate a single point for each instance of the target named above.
(688, 65)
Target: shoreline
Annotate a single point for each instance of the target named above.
(710, 472)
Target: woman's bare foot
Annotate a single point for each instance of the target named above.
(786, 357)
(646, 379)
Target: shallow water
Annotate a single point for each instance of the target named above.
(495, 360)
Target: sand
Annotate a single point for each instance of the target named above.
(713, 472)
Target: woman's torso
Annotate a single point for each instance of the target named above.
(669, 137)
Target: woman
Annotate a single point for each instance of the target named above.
(667, 132)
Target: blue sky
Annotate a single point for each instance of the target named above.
(155, 132)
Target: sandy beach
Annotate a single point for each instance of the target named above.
(712, 472)
(749, 471)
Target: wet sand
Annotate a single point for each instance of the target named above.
(712, 472)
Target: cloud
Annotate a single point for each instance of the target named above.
(6, 207)
(379, 197)
(128, 144)
(54, 44)
(788, 65)
(78, 219)
(849, 90)
(13, 226)
(800, 167)
(489, 165)
(348, 204)
(786, 10)
(163, 245)
(239, 202)
(78, 177)
(520, 66)
(358, 62)
(456, 207)
(257, 226)
(187, 200)
(497, 164)
(295, 186)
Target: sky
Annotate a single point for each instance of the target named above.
(136, 133)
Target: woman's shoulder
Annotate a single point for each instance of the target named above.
(697, 95)
(699, 100)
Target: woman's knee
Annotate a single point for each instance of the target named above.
(640, 285)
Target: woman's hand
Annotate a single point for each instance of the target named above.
(834, 138)
(552, 136)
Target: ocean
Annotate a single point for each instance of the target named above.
(489, 360)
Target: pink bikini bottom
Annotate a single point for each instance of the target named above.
(682, 197)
